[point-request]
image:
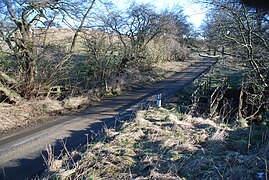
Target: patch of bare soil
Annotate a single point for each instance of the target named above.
(12, 116)
(164, 144)
(29, 113)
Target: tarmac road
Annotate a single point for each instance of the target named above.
(20, 153)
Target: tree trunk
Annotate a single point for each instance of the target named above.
(241, 103)
(29, 76)
(7, 79)
(11, 94)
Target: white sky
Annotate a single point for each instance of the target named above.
(194, 11)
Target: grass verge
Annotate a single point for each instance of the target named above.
(166, 144)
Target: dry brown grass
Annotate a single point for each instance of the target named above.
(155, 145)
(17, 116)
(164, 144)
(30, 113)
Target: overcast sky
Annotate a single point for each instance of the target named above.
(194, 11)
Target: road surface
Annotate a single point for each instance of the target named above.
(20, 153)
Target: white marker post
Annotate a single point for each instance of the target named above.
(159, 100)
(212, 70)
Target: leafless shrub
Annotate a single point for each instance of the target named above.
(243, 32)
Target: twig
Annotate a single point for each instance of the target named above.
(266, 169)
(217, 169)
(4, 173)
(249, 137)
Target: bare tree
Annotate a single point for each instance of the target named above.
(135, 29)
(21, 39)
(103, 57)
(245, 34)
(139, 26)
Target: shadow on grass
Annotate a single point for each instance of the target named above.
(220, 156)
(241, 155)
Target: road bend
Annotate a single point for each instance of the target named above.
(21, 153)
